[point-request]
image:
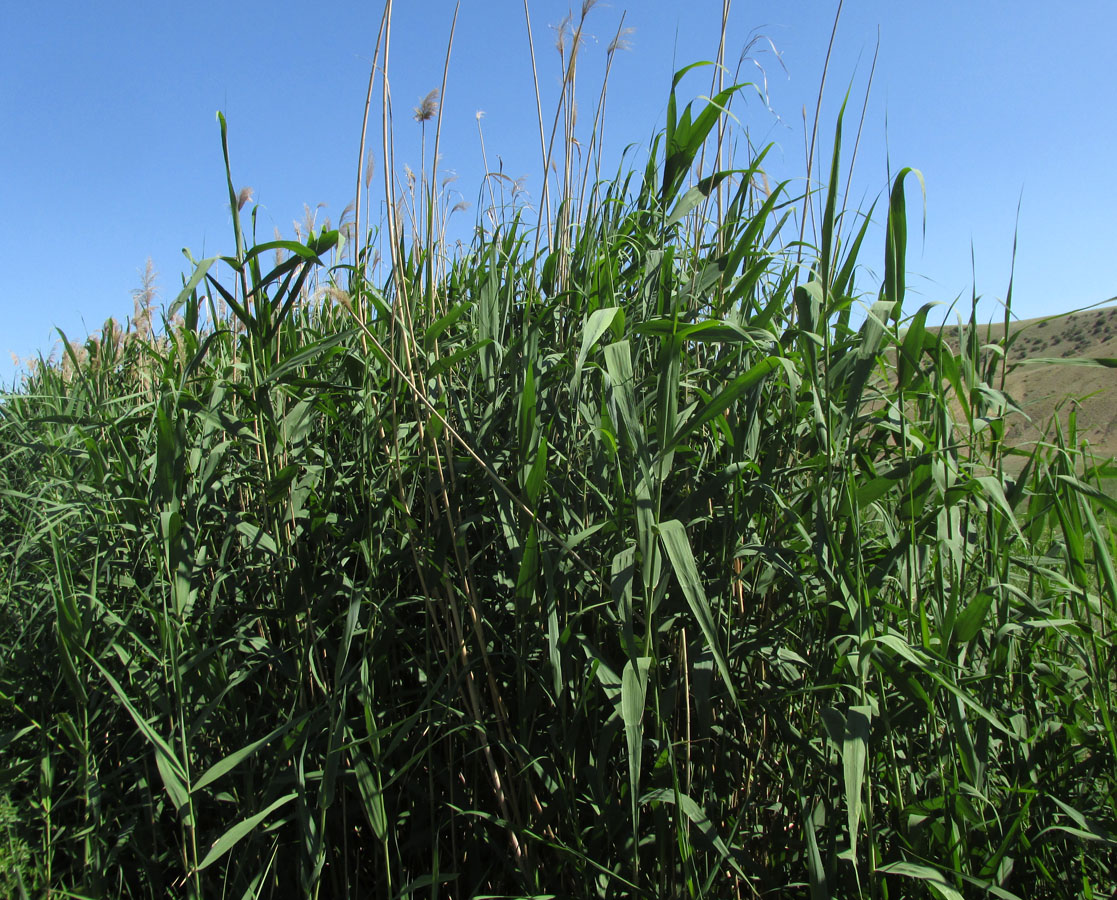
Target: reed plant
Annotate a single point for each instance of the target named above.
(616, 554)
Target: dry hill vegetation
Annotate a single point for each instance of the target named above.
(612, 556)
(1045, 374)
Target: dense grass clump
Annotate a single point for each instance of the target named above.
(618, 561)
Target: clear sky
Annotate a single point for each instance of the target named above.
(110, 152)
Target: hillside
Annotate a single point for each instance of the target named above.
(1039, 389)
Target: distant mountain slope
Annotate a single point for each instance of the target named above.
(1039, 389)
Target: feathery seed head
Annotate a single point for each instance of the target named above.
(143, 299)
(368, 170)
(340, 296)
(620, 40)
(560, 32)
(243, 197)
(427, 107)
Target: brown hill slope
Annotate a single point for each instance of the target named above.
(1042, 388)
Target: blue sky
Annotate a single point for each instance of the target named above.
(111, 153)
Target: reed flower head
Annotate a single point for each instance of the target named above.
(143, 299)
(339, 296)
(427, 107)
(620, 40)
(369, 171)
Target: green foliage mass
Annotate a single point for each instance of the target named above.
(625, 562)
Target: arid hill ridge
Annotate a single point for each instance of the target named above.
(1040, 389)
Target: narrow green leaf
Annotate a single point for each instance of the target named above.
(255, 536)
(698, 818)
(175, 788)
(928, 667)
(933, 877)
(855, 744)
(970, 620)
(634, 687)
(732, 392)
(994, 489)
(528, 571)
(234, 759)
(816, 872)
(537, 475)
(239, 831)
(1090, 491)
(160, 745)
(446, 363)
(829, 215)
(618, 363)
(308, 252)
(200, 270)
(1105, 362)
(438, 328)
(372, 797)
(907, 361)
(696, 195)
(599, 321)
(896, 244)
(677, 546)
(1087, 828)
(526, 414)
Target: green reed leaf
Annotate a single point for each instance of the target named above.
(931, 876)
(234, 835)
(678, 549)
